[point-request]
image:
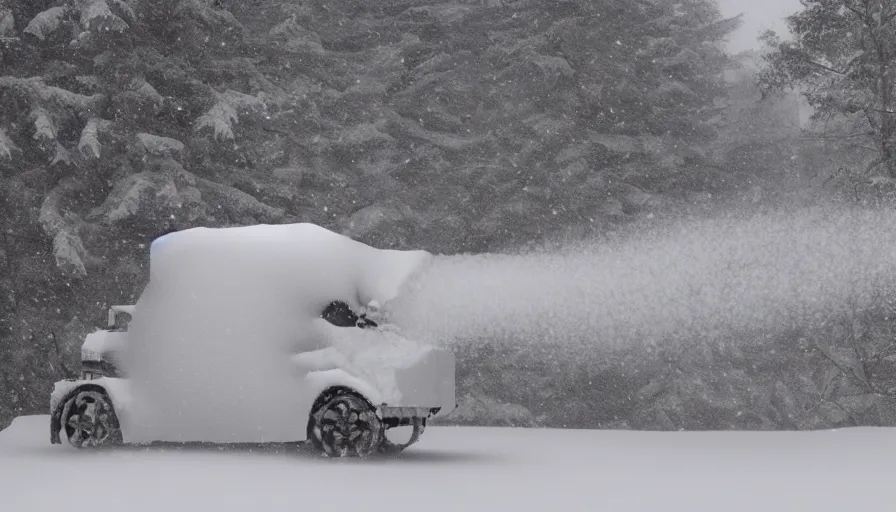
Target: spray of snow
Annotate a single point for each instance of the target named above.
(680, 281)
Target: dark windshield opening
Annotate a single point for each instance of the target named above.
(340, 314)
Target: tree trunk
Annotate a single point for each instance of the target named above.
(885, 94)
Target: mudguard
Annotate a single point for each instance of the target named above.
(320, 381)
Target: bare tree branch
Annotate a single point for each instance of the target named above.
(68, 373)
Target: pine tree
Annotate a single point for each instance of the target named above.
(843, 59)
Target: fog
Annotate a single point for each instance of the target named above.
(758, 16)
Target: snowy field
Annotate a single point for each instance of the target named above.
(454, 469)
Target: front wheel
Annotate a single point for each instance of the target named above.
(345, 425)
(90, 421)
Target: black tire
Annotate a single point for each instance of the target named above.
(345, 424)
(89, 420)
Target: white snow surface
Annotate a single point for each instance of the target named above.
(457, 468)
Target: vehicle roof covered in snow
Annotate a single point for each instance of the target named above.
(322, 262)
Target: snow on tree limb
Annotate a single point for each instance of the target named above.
(96, 13)
(61, 155)
(51, 218)
(90, 82)
(226, 112)
(46, 22)
(161, 146)
(68, 249)
(7, 23)
(672, 88)
(89, 145)
(412, 129)
(140, 194)
(146, 90)
(237, 203)
(220, 118)
(203, 11)
(35, 90)
(51, 107)
(6, 145)
(552, 65)
(156, 195)
(363, 135)
(44, 128)
(126, 10)
(288, 28)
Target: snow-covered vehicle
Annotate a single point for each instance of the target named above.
(259, 334)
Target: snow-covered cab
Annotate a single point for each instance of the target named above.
(261, 334)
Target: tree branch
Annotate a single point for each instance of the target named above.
(68, 373)
(837, 137)
(807, 60)
(853, 61)
(888, 18)
(845, 370)
(860, 15)
(861, 372)
(7, 250)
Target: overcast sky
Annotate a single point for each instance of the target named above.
(758, 16)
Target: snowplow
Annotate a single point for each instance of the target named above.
(259, 334)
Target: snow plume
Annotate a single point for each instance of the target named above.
(684, 280)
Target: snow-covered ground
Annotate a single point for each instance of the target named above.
(466, 469)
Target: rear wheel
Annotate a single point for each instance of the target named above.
(89, 420)
(344, 424)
